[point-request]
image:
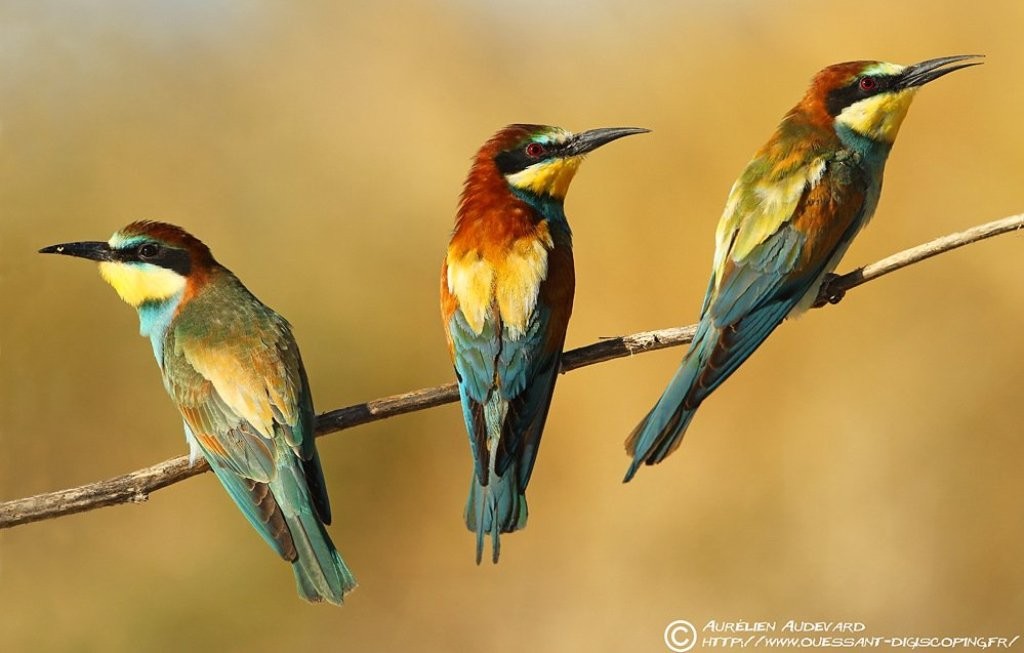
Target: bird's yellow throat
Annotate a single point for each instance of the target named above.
(139, 283)
(878, 117)
(549, 177)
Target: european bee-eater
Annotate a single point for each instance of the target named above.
(788, 221)
(231, 365)
(507, 286)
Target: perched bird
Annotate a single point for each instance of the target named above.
(232, 367)
(789, 219)
(507, 286)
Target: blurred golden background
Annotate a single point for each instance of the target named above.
(864, 465)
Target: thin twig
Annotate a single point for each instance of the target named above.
(839, 285)
(137, 486)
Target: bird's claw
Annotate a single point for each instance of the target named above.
(827, 294)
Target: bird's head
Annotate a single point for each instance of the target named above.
(145, 261)
(541, 161)
(871, 98)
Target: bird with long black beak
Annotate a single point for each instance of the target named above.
(507, 287)
(232, 367)
(787, 222)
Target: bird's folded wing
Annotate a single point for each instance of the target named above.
(761, 201)
(221, 432)
(475, 356)
(238, 395)
(778, 235)
(528, 368)
(774, 254)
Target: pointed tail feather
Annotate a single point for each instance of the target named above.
(661, 431)
(495, 508)
(284, 514)
(320, 573)
(662, 442)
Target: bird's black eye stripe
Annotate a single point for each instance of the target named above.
(857, 90)
(171, 258)
(524, 156)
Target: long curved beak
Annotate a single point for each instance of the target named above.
(921, 73)
(594, 138)
(94, 251)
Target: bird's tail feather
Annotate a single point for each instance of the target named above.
(320, 573)
(495, 508)
(661, 431)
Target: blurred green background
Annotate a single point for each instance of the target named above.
(864, 465)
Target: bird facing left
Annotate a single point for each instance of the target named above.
(232, 367)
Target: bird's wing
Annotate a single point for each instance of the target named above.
(243, 459)
(528, 370)
(255, 373)
(528, 367)
(224, 398)
(246, 398)
(774, 243)
(472, 327)
(256, 502)
(760, 203)
(475, 356)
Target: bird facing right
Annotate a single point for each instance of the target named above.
(507, 287)
(787, 222)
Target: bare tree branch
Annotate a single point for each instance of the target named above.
(136, 486)
(839, 285)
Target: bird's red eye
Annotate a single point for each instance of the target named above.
(868, 83)
(535, 150)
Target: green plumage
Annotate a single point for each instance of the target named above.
(225, 336)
